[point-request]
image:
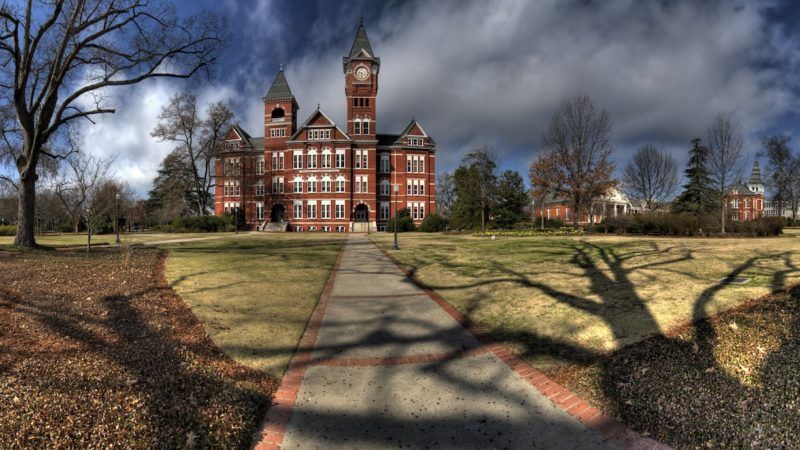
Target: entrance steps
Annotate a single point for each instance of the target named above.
(273, 226)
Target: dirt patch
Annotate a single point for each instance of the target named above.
(94, 354)
(727, 382)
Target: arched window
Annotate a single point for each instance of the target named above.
(385, 187)
(365, 126)
(326, 184)
(312, 184)
(278, 113)
(357, 126)
(340, 184)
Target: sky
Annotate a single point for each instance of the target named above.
(493, 73)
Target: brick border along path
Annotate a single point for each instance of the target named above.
(361, 326)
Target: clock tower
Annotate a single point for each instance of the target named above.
(361, 69)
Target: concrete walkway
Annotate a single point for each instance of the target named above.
(391, 369)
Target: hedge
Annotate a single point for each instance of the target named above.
(8, 230)
(688, 225)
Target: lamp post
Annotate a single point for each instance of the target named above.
(396, 188)
(116, 217)
(236, 219)
(88, 229)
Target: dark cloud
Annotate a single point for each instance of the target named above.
(493, 72)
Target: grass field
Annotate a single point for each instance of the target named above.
(572, 298)
(254, 293)
(69, 239)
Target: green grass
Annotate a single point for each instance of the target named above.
(254, 293)
(552, 297)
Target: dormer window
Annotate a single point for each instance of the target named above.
(415, 142)
(316, 135)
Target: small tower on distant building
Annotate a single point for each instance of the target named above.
(755, 184)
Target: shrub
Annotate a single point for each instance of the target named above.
(684, 224)
(563, 231)
(433, 223)
(404, 222)
(8, 230)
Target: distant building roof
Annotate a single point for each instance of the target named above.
(755, 176)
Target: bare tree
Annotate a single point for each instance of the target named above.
(445, 192)
(198, 140)
(651, 176)
(779, 169)
(575, 162)
(793, 187)
(725, 157)
(59, 58)
(75, 186)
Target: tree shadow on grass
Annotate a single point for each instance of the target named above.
(153, 373)
(673, 387)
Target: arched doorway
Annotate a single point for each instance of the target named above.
(278, 213)
(362, 213)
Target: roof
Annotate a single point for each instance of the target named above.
(240, 131)
(755, 176)
(361, 42)
(257, 143)
(317, 112)
(279, 89)
(385, 140)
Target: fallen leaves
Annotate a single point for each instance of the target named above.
(96, 357)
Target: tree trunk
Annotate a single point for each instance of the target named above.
(26, 212)
(722, 207)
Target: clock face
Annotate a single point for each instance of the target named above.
(362, 73)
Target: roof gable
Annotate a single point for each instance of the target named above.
(318, 119)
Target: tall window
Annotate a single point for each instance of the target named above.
(312, 159)
(326, 210)
(277, 160)
(298, 186)
(326, 158)
(260, 188)
(357, 126)
(297, 160)
(238, 189)
(260, 211)
(298, 210)
(364, 159)
(384, 211)
(384, 164)
(339, 210)
(340, 184)
(340, 159)
(260, 166)
(365, 126)
(408, 163)
(364, 184)
(311, 212)
(326, 184)
(357, 161)
(312, 185)
(385, 187)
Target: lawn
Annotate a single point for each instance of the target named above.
(567, 298)
(96, 351)
(70, 239)
(641, 327)
(254, 293)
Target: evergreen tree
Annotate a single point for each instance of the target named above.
(475, 186)
(697, 196)
(173, 193)
(511, 200)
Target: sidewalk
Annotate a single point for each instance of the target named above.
(391, 368)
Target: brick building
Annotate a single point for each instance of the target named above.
(745, 201)
(614, 203)
(319, 176)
